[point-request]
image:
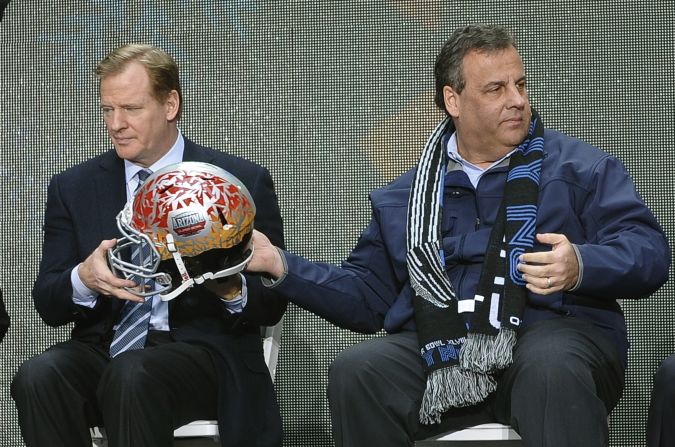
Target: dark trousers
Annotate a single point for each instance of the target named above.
(565, 378)
(661, 422)
(139, 396)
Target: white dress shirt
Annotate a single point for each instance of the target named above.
(474, 172)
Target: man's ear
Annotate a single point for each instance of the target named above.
(451, 100)
(172, 105)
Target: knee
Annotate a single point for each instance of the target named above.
(35, 374)
(664, 379)
(126, 375)
(341, 370)
(543, 367)
(350, 371)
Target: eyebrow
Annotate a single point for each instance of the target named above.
(123, 106)
(500, 83)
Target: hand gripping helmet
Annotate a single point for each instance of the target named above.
(187, 223)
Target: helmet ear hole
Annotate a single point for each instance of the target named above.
(223, 219)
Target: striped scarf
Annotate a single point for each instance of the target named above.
(460, 361)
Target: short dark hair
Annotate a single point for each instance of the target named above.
(448, 69)
(160, 66)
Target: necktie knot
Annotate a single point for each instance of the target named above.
(142, 175)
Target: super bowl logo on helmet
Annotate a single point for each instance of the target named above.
(195, 220)
(188, 223)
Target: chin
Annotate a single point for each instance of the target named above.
(519, 134)
(127, 152)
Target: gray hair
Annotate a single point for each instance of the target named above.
(448, 69)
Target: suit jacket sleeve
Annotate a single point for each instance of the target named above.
(78, 216)
(265, 306)
(52, 291)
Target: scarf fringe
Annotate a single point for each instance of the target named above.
(450, 388)
(502, 352)
(485, 354)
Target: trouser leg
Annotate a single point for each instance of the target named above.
(660, 425)
(144, 395)
(55, 395)
(565, 378)
(375, 390)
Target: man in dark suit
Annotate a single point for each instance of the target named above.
(203, 356)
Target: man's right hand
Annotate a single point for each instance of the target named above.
(266, 258)
(97, 276)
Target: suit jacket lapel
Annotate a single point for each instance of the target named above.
(111, 193)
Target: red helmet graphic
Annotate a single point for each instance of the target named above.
(188, 222)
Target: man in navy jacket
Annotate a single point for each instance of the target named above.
(596, 242)
(203, 355)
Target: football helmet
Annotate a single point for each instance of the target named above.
(189, 222)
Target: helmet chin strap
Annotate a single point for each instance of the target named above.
(188, 282)
(185, 276)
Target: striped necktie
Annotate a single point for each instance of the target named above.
(134, 319)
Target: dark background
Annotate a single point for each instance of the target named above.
(335, 98)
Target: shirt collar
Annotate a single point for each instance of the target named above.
(472, 171)
(175, 155)
(453, 154)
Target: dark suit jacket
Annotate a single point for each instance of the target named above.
(82, 203)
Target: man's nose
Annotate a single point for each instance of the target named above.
(116, 120)
(517, 96)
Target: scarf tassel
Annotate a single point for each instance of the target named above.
(486, 353)
(453, 387)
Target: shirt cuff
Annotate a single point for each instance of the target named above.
(236, 305)
(581, 268)
(82, 295)
(269, 282)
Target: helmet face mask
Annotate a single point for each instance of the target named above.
(141, 268)
(191, 222)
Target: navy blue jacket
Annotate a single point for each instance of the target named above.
(585, 194)
(82, 203)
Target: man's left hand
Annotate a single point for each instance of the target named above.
(547, 272)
